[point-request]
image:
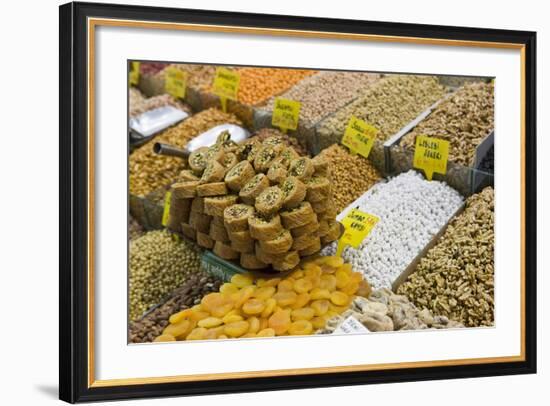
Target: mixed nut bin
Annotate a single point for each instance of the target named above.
(390, 156)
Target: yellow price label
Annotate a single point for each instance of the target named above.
(359, 136)
(286, 114)
(358, 225)
(431, 155)
(134, 73)
(166, 212)
(175, 82)
(226, 83)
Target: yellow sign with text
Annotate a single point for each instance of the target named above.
(286, 114)
(359, 136)
(358, 226)
(226, 83)
(431, 155)
(166, 212)
(175, 82)
(134, 73)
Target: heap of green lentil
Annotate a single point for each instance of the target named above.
(464, 119)
(352, 175)
(149, 171)
(159, 263)
(389, 105)
(456, 277)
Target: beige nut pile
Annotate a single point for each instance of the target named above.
(258, 203)
(465, 120)
(158, 264)
(325, 93)
(387, 311)
(388, 105)
(456, 277)
(150, 171)
(352, 175)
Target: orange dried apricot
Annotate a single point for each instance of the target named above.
(285, 298)
(302, 285)
(328, 282)
(317, 294)
(264, 292)
(319, 322)
(241, 280)
(229, 288)
(266, 332)
(301, 300)
(342, 279)
(253, 306)
(284, 286)
(300, 327)
(197, 333)
(280, 321)
(210, 322)
(163, 338)
(339, 298)
(320, 307)
(236, 329)
(305, 313)
(270, 305)
(179, 316)
(254, 323)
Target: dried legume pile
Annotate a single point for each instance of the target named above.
(488, 162)
(326, 92)
(258, 84)
(352, 175)
(386, 311)
(158, 265)
(289, 141)
(139, 107)
(151, 68)
(389, 105)
(456, 277)
(198, 76)
(411, 211)
(149, 171)
(464, 120)
(195, 287)
(135, 230)
(247, 307)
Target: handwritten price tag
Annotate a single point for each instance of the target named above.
(431, 155)
(175, 82)
(358, 226)
(286, 114)
(166, 212)
(359, 136)
(134, 73)
(226, 83)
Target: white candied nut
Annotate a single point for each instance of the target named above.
(411, 211)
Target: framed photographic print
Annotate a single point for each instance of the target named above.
(258, 202)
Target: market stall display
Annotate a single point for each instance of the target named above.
(384, 310)
(158, 264)
(388, 105)
(265, 213)
(411, 210)
(456, 277)
(248, 307)
(465, 119)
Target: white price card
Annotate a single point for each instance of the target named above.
(351, 326)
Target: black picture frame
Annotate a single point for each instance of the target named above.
(74, 200)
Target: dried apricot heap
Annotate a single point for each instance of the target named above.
(297, 304)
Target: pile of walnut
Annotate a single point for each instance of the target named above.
(297, 304)
(257, 202)
(456, 277)
(386, 311)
